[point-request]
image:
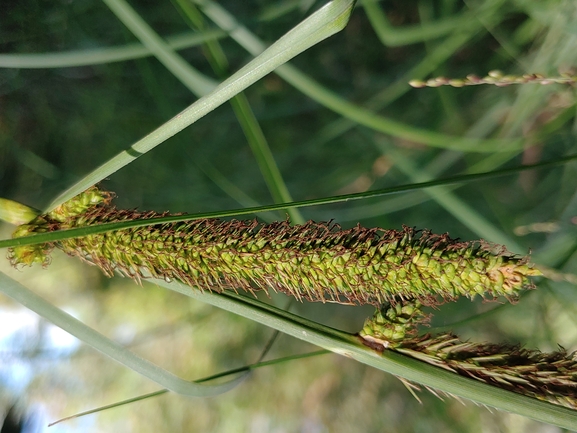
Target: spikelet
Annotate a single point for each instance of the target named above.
(550, 377)
(314, 261)
(496, 78)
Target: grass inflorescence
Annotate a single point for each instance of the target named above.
(545, 376)
(496, 78)
(313, 261)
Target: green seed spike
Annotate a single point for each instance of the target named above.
(313, 261)
(391, 325)
(550, 377)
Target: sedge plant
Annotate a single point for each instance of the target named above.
(389, 268)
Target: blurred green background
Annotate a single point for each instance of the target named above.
(58, 123)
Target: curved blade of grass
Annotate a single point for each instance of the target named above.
(264, 157)
(389, 361)
(101, 228)
(438, 55)
(555, 49)
(245, 116)
(382, 207)
(108, 347)
(276, 10)
(399, 87)
(190, 78)
(450, 202)
(98, 56)
(196, 82)
(325, 22)
(391, 36)
(356, 113)
(487, 13)
(246, 368)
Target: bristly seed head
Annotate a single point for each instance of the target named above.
(550, 377)
(313, 261)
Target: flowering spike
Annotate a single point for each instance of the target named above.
(313, 261)
(391, 325)
(550, 377)
(496, 78)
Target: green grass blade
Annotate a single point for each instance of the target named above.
(438, 55)
(245, 116)
(391, 36)
(389, 361)
(246, 368)
(265, 159)
(108, 347)
(101, 228)
(449, 201)
(358, 114)
(321, 25)
(190, 77)
(98, 56)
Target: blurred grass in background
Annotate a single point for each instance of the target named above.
(57, 124)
